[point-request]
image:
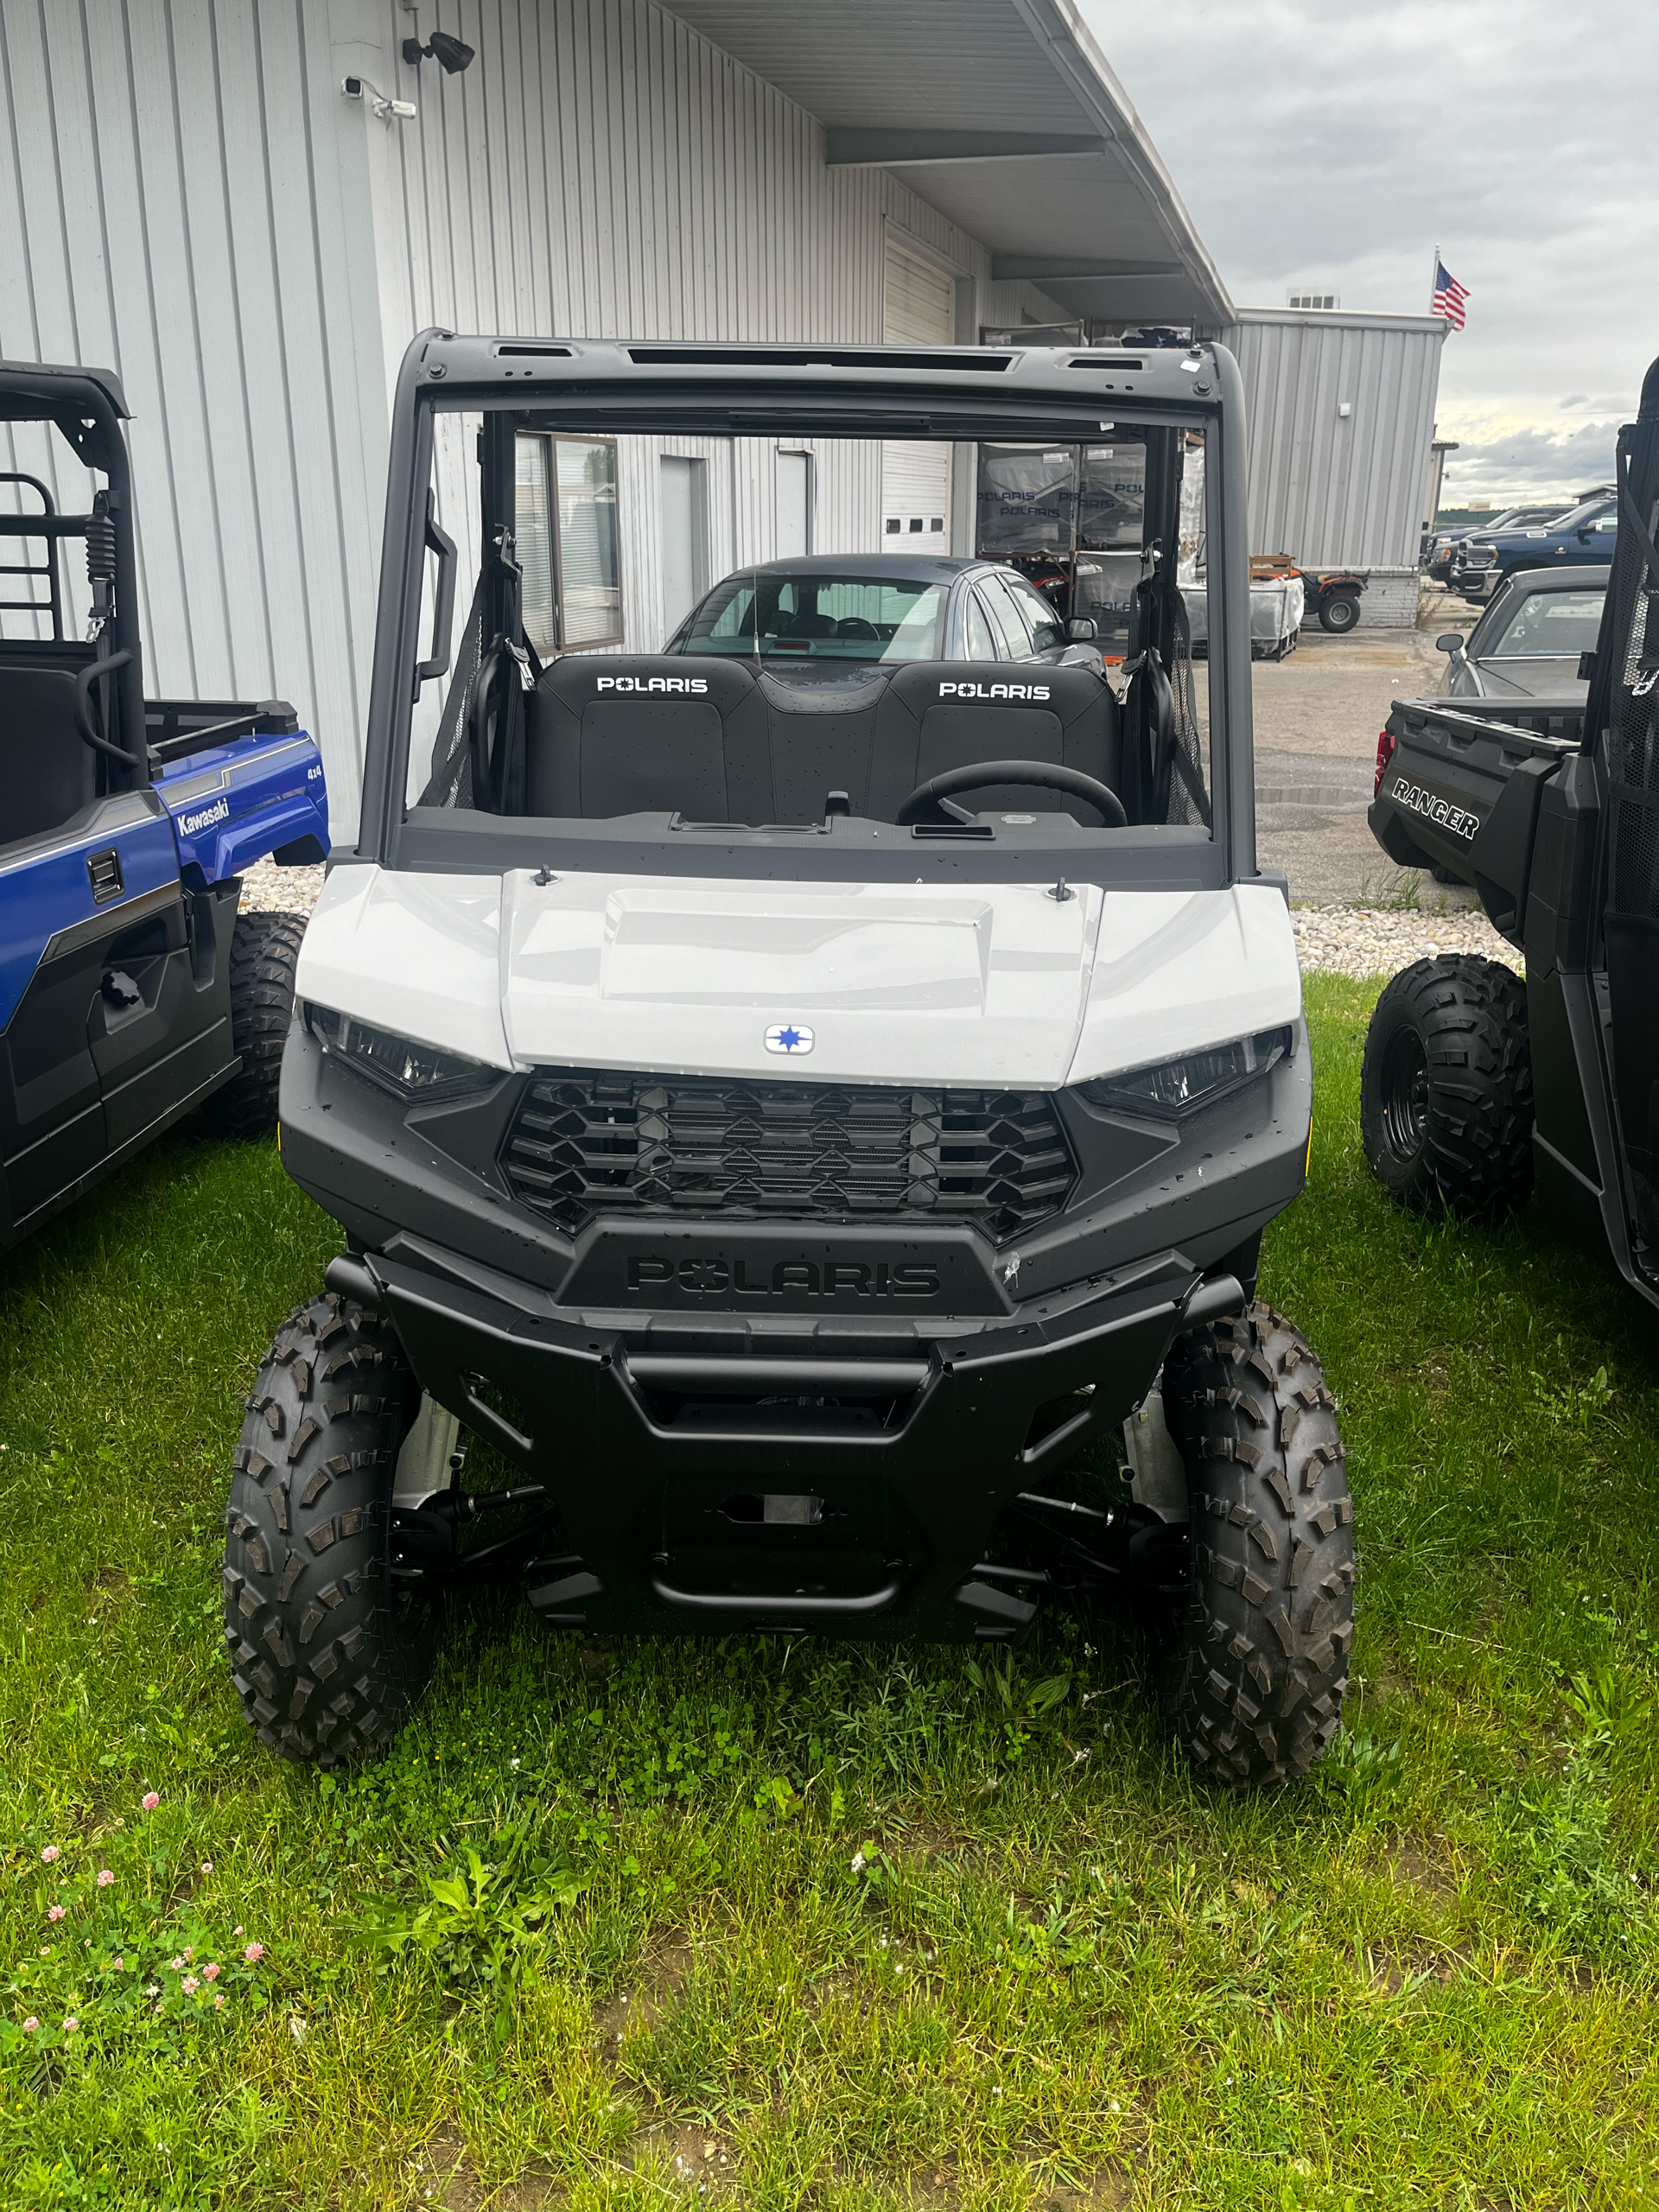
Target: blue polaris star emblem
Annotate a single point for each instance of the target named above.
(790, 1037)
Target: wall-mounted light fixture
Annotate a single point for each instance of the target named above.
(452, 55)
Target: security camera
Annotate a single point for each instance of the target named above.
(452, 55)
(358, 88)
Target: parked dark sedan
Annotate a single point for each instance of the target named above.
(1526, 644)
(842, 617)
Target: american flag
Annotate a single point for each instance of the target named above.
(1449, 296)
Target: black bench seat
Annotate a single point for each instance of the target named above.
(707, 738)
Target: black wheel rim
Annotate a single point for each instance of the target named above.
(1405, 1095)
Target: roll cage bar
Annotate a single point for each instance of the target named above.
(88, 407)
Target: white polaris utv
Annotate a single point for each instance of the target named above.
(790, 1124)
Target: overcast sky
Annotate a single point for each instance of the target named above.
(1340, 145)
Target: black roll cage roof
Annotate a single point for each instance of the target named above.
(573, 386)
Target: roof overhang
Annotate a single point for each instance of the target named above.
(1031, 143)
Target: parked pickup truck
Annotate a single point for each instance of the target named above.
(1481, 564)
(1446, 547)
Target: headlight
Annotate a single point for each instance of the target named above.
(1170, 1089)
(396, 1064)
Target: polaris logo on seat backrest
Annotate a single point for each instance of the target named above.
(219, 812)
(993, 691)
(785, 1278)
(1433, 808)
(682, 683)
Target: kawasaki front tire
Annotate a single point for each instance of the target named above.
(264, 957)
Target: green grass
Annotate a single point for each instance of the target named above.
(882, 1928)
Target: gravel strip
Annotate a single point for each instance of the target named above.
(1345, 940)
(268, 889)
(1363, 941)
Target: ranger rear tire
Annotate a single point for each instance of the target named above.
(1253, 1679)
(265, 955)
(1340, 614)
(327, 1653)
(1446, 1091)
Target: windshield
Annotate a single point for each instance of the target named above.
(855, 616)
(639, 637)
(1525, 518)
(1546, 624)
(1588, 511)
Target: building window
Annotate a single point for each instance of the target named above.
(1317, 300)
(569, 549)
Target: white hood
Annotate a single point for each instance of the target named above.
(994, 983)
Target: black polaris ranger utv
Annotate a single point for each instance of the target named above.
(1474, 1083)
(789, 1123)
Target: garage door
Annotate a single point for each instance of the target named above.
(919, 308)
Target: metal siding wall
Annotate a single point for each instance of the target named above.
(602, 171)
(171, 168)
(664, 192)
(186, 196)
(1327, 490)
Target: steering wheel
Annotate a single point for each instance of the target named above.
(854, 625)
(1043, 773)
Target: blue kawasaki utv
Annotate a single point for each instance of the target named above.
(131, 991)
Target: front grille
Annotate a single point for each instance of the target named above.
(583, 1144)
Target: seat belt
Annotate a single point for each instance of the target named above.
(507, 669)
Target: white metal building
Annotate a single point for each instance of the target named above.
(1340, 410)
(192, 198)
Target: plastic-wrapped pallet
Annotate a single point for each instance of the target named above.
(1275, 614)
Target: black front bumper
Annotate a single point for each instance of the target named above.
(742, 1421)
(663, 1461)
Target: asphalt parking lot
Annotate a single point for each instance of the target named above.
(1317, 713)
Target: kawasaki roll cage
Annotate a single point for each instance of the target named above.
(87, 407)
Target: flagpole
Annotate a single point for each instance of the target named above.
(1434, 280)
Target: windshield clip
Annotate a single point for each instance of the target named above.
(542, 877)
(1060, 892)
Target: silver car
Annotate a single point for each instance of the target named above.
(1527, 642)
(843, 619)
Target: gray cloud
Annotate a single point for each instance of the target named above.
(1537, 459)
(1341, 147)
